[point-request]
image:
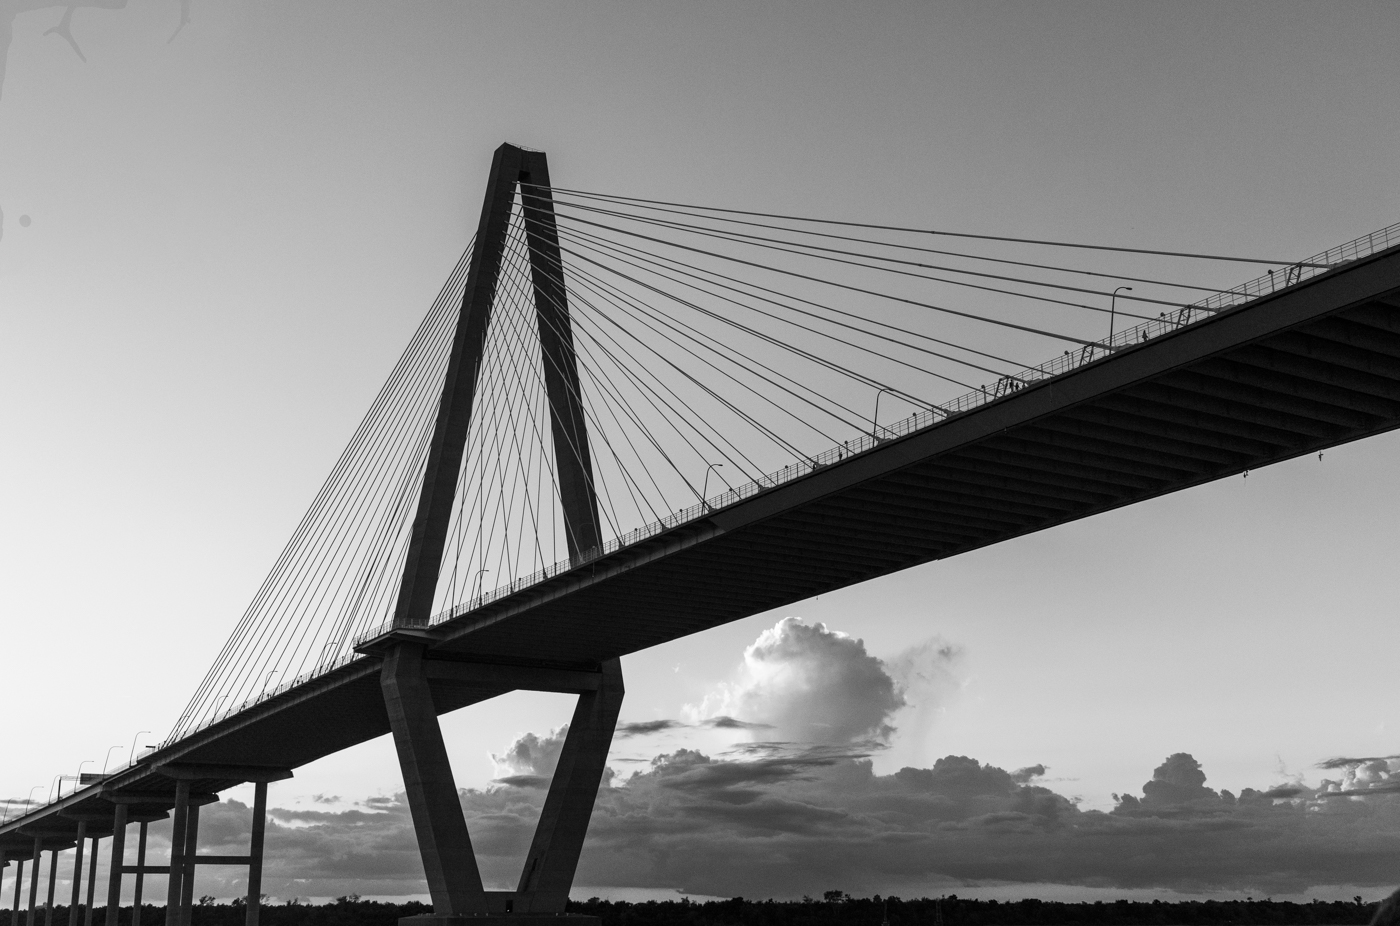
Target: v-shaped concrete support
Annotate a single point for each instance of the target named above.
(554, 852)
(454, 881)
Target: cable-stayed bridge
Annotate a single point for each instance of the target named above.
(623, 421)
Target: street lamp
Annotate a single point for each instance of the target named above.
(477, 583)
(109, 758)
(875, 420)
(131, 756)
(1112, 306)
(705, 488)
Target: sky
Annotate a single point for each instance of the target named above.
(214, 242)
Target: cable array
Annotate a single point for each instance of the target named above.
(339, 573)
(717, 352)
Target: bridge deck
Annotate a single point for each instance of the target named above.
(1306, 368)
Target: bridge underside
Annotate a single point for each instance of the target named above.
(1308, 368)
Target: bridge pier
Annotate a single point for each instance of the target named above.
(177, 853)
(87, 912)
(53, 883)
(454, 881)
(77, 873)
(19, 882)
(184, 837)
(449, 862)
(34, 880)
(187, 870)
(114, 879)
(140, 877)
(554, 852)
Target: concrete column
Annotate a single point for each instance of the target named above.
(454, 881)
(554, 852)
(53, 882)
(19, 881)
(34, 881)
(177, 853)
(92, 883)
(140, 875)
(187, 875)
(77, 874)
(114, 879)
(255, 854)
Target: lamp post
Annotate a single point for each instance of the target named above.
(1112, 307)
(477, 583)
(131, 756)
(875, 420)
(78, 778)
(108, 758)
(705, 488)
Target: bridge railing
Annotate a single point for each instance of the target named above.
(1166, 323)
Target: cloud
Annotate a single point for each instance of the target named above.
(809, 684)
(531, 756)
(1378, 775)
(646, 727)
(1024, 775)
(798, 808)
(786, 822)
(725, 722)
(1342, 762)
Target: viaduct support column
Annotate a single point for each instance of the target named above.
(53, 882)
(454, 881)
(255, 854)
(554, 852)
(187, 875)
(19, 882)
(34, 881)
(77, 874)
(140, 875)
(92, 882)
(177, 854)
(114, 880)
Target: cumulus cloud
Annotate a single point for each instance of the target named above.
(809, 684)
(531, 756)
(1361, 777)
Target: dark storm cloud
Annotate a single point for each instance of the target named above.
(645, 727)
(1332, 765)
(804, 811)
(523, 781)
(725, 722)
(785, 825)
